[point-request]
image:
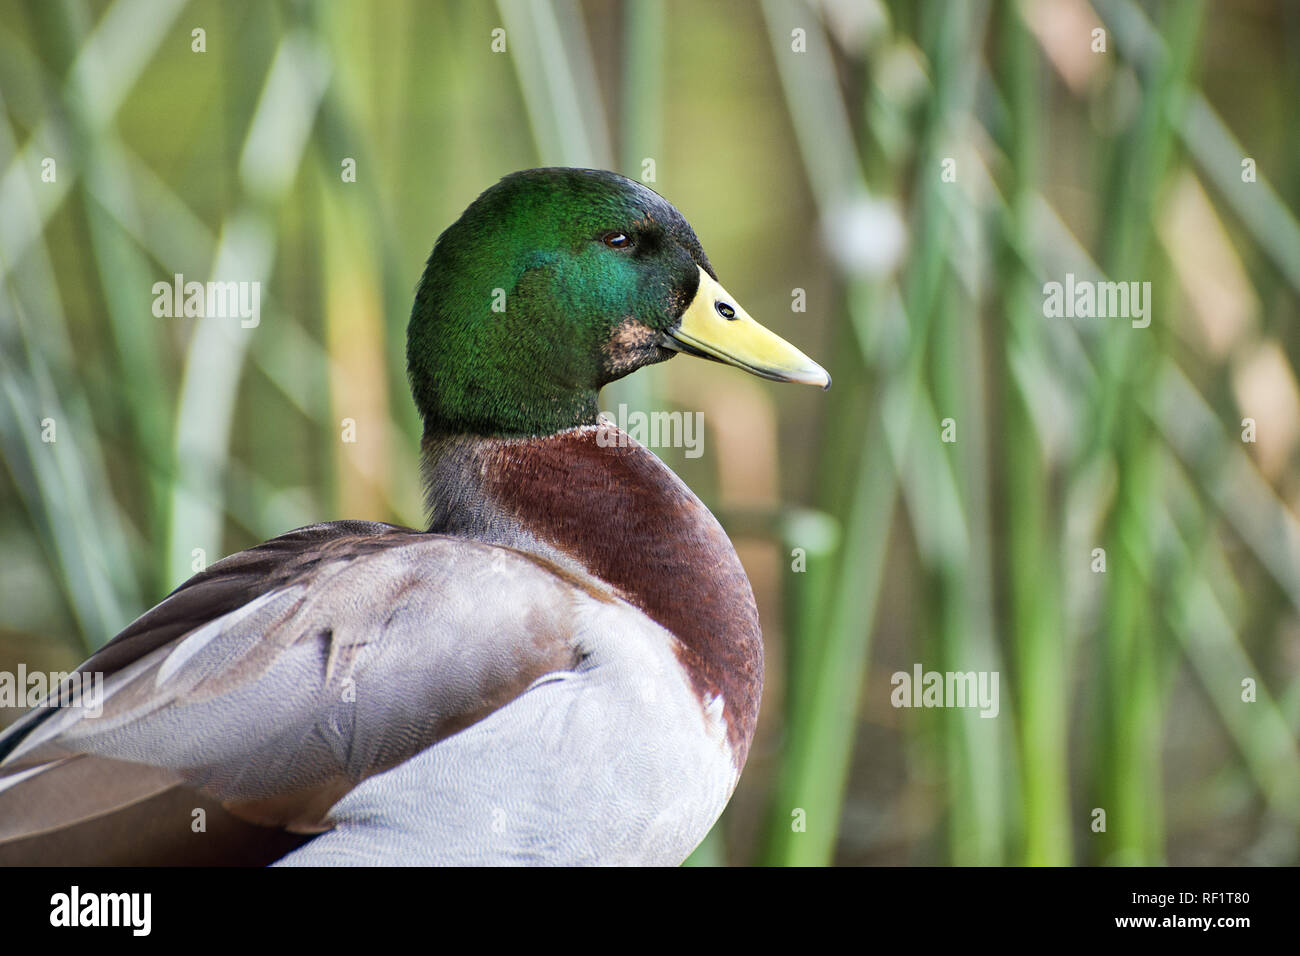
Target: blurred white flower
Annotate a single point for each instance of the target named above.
(865, 235)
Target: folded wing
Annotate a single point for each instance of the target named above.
(271, 684)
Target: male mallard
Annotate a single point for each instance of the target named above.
(565, 668)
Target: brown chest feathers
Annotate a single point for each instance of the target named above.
(623, 516)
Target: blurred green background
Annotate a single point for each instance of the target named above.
(808, 145)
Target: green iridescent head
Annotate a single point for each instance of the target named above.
(555, 282)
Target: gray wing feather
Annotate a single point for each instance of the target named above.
(350, 649)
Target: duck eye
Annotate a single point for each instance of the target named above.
(726, 311)
(617, 240)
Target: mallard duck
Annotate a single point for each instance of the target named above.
(564, 668)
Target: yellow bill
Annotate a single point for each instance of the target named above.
(715, 327)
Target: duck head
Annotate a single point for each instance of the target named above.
(555, 282)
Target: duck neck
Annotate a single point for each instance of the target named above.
(592, 499)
